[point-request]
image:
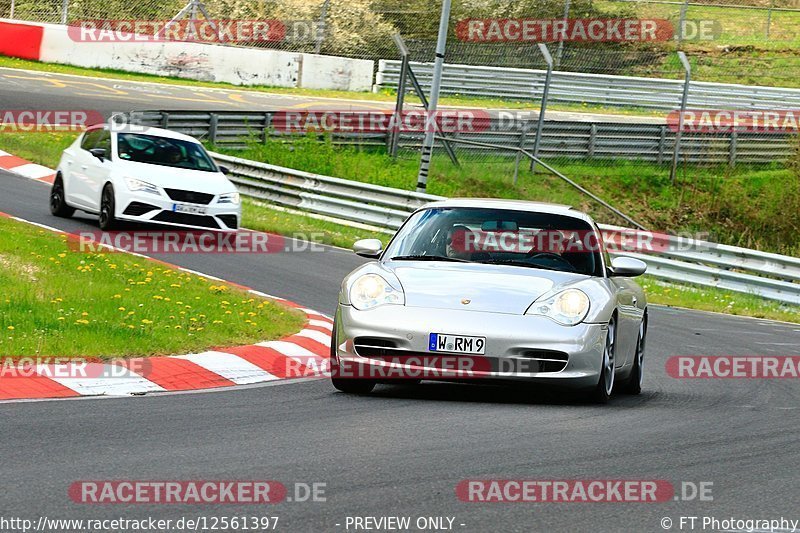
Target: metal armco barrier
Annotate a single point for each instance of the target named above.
(703, 263)
(578, 88)
(652, 143)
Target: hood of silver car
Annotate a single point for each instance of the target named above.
(474, 287)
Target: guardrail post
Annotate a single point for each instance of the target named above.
(394, 133)
(592, 140)
(212, 128)
(684, 100)
(769, 19)
(682, 21)
(164, 120)
(321, 26)
(560, 49)
(267, 125)
(732, 153)
(523, 136)
(436, 83)
(545, 91)
(662, 141)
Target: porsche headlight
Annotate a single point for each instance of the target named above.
(371, 290)
(137, 185)
(230, 198)
(567, 307)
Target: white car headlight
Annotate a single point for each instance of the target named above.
(137, 185)
(230, 198)
(568, 307)
(371, 290)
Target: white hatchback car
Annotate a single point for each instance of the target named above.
(144, 175)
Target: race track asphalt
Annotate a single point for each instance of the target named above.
(35, 90)
(402, 450)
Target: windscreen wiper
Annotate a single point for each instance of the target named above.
(514, 262)
(428, 258)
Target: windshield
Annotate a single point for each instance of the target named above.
(162, 151)
(499, 236)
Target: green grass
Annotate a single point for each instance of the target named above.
(42, 148)
(57, 301)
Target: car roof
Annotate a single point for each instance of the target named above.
(146, 130)
(514, 205)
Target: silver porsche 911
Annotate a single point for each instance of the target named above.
(492, 290)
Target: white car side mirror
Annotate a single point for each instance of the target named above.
(369, 248)
(627, 267)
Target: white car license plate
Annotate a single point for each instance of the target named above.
(191, 209)
(440, 342)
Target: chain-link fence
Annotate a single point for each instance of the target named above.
(361, 28)
(733, 41)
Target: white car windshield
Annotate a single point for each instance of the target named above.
(499, 236)
(163, 151)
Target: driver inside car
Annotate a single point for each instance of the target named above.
(457, 243)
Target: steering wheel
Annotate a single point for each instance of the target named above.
(551, 255)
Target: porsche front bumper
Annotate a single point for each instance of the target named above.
(518, 347)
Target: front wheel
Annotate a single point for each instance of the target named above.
(58, 202)
(605, 383)
(108, 220)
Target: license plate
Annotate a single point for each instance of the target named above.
(191, 209)
(440, 342)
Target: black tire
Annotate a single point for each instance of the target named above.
(633, 385)
(58, 200)
(107, 221)
(347, 385)
(605, 384)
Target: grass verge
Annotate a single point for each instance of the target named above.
(258, 217)
(60, 302)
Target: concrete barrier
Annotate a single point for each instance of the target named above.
(51, 43)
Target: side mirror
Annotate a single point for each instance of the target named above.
(627, 267)
(224, 170)
(369, 248)
(99, 153)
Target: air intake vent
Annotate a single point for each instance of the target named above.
(190, 197)
(137, 209)
(187, 219)
(377, 347)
